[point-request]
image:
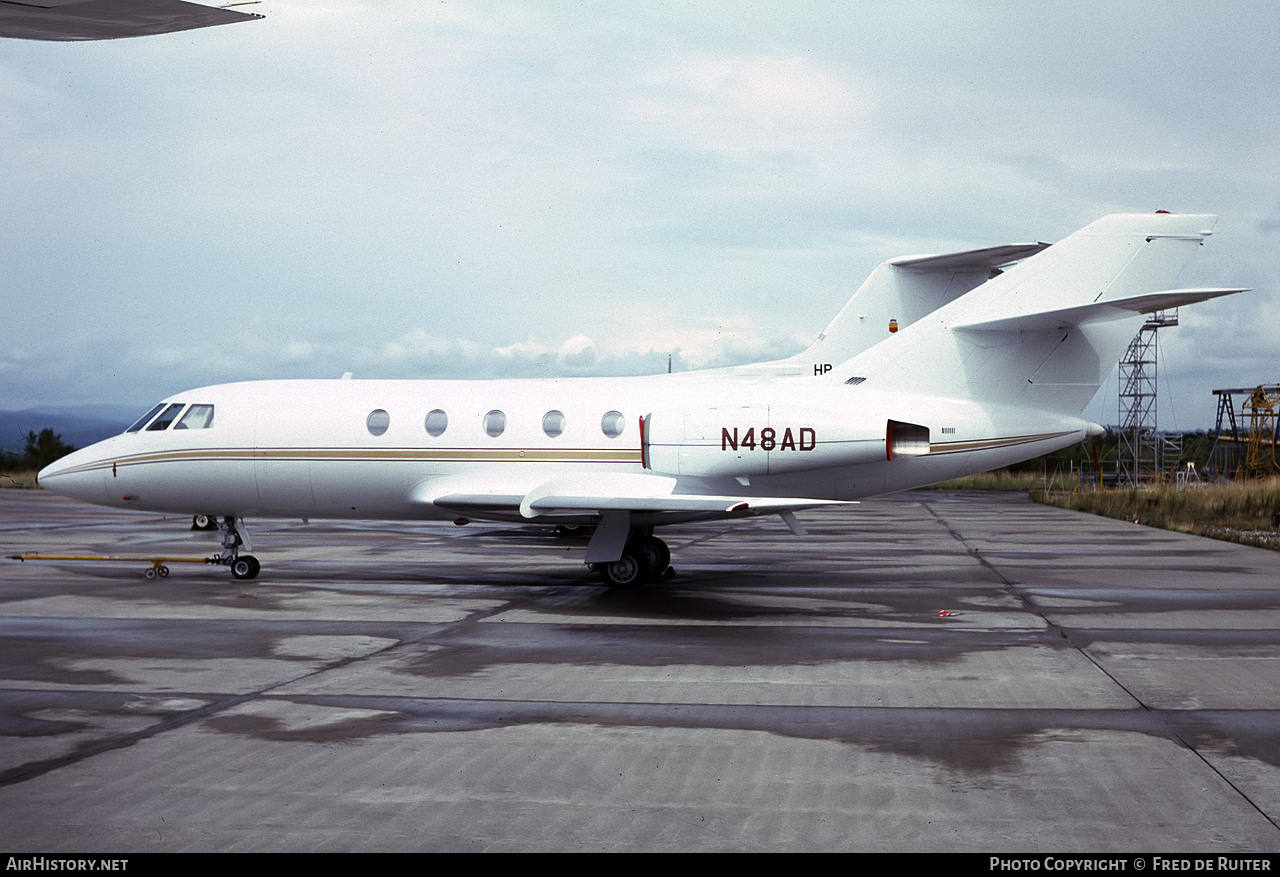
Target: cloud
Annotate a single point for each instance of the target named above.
(745, 107)
(409, 189)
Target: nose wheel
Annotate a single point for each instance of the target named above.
(245, 566)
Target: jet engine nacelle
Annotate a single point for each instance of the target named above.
(769, 440)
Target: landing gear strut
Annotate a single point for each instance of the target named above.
(234, 537)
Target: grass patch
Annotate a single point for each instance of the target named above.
(21, 479)
(1238, 512)
(1000, 479)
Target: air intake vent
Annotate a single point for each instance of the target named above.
(855, 381)
(906, 440)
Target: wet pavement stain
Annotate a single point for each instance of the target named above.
(971, 741)
(458, 676)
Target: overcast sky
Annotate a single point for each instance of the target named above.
(453, 189)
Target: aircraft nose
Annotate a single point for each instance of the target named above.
(77, 475)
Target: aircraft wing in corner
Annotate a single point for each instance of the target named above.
(69, 20)
(615, 497)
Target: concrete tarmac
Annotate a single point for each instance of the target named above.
(1096, 686)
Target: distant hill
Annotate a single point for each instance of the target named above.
(79, 425)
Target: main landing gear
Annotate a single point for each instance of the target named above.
(573, 531)
(645, 558)
(204, 522)
(234, 537)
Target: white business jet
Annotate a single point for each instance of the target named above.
(939, 366)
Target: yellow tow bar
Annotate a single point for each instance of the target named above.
(159, 565)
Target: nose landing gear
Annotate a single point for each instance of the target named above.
(234, 537)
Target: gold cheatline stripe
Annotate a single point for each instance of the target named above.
(513, 455)
(493, 455)
(989, 444)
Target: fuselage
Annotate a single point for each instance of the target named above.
(389, 449)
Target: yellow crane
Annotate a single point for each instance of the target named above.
(1258, 423)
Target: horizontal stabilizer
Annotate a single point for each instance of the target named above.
(970, 260)
(1099, 311)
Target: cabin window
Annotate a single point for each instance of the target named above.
(163, 421)
(378, 421)
(142, 421)
(553, 423)
(436, 423)
(495, 423)
(197, 417)
(612, 424)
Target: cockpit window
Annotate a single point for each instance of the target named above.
(197, 417)
(142, 421)
(163, 421)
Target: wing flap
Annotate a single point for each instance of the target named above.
(674, 503)
(625, 491)
(606, 492)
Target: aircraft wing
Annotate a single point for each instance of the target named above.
(612, 492)
(612, 497)
(107, 19)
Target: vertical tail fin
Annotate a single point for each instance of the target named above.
(903, 290)
(1045, 334)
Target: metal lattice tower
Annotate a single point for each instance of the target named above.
(1138, 454)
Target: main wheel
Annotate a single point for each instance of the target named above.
(203, 522)
(653, 554)
(573, 531)
(625, 572)
(245, 566)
